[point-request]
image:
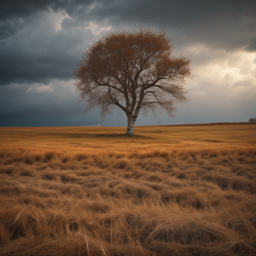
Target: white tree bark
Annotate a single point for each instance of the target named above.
(130, 125)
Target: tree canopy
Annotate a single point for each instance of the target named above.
(133, 70)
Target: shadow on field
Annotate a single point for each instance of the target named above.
(116, 135)
(88, 135)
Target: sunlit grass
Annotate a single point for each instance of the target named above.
(169, 190)
(94, 139)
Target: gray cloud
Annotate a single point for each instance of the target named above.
(30, 49)
(38, 53)
(39, 105)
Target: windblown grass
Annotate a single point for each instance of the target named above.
(185, 190)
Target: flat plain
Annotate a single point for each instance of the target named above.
(168, 190)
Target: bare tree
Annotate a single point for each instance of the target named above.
(133, 70)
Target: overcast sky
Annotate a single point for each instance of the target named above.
(42, 41)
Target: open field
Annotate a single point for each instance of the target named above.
(169, 190)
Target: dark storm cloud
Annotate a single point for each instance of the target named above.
(15, 14)
(252, 45)
(30, 50)
(39, 54)
(32, 105)
(179, 12)
(34, 52)
(223, 24)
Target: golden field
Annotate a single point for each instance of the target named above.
(168, 190)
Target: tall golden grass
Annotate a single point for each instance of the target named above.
(169, 190)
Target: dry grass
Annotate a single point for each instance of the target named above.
(179, 190)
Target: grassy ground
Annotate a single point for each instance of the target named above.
(169, 190)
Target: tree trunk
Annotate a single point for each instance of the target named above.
(130, 125)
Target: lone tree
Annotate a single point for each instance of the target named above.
(252, 120)
(133, 70)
